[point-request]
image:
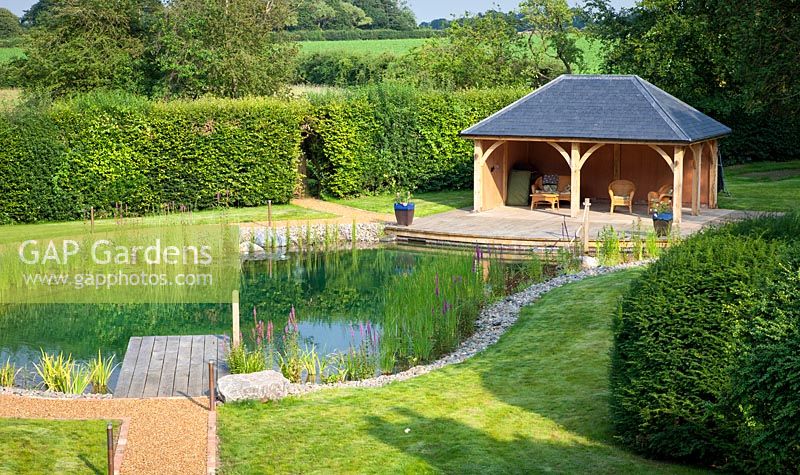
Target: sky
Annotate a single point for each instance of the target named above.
(426, 10)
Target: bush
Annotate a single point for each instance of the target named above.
(376, 138)
(100, 149)
(354, 34)
(700, 357)
(338, 68)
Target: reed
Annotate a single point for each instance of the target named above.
(242, 360)
(100, 370)
(8, 374)
(63, 374)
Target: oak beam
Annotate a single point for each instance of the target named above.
(477, 197)
(677, 184)
(713, 174)
(575, 180)
(697, 160)
(563, 152)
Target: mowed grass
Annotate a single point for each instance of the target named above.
(425, 204)
(19, 232)
(35, 446)
(535, 402)
(762, 186)
(7, 54)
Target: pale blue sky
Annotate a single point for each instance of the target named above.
(426, 10)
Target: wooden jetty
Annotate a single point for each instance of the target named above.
(167, 366)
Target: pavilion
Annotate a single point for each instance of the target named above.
(596, 129)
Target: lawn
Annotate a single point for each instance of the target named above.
(426, 204)
(762, 186)
(7, 54)
(535, 402)
(52, 446)
(20, 232)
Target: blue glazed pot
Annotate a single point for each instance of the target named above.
(404, 213)
(662, 223)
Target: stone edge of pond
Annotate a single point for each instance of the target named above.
(252, 237)
(490, 325)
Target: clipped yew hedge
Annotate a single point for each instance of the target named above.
(386, 136)
(704, 363)
(103, 149)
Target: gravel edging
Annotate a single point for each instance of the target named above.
(492, 322)
(43, 394)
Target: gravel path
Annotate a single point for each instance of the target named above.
(165, 435)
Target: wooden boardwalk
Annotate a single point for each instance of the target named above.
(167, 366)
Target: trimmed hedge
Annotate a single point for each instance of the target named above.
(101, 149)
(702, 364)
(386, 136)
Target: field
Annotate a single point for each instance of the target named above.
(7, 54)
(399, 47)
(426, 204)
(762, 186)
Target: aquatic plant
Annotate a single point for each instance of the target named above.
(101, 370)
(637, 241)
(242, 360)
(63, 374)
(8, 373)
(289, 359)
(651, 245)
(608, 250)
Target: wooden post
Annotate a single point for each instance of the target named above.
(697, 154)
(235, 313)
(677, 184)
(585, 236)
(713, 174)
(575, 181)
(110, 447)
(504, 192)
(477, 198)
(212, 388)
(91, 217)
(269, 213)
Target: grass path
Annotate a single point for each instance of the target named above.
(426, 203)
(535, 402)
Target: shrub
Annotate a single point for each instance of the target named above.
(702, 362)
(100, 149)
(376, 138)
(340, 68)
(354, 34)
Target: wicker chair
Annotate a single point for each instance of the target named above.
(621, 193)
(663, 194)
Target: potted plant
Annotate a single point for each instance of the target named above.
(403, 208)
(662, 217)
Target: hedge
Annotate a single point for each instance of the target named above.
(702, 364)
(100, 149)
(340, 68)
(381, 137)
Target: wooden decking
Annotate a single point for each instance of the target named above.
(167, 366)
(521, 228)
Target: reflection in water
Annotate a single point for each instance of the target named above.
(330, 291)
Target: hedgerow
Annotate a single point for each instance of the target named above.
(385, 136)
(702, 364)
(102, 149)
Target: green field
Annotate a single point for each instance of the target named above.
(52, 446)
(425, 204)
(7, 54)
(399, 47)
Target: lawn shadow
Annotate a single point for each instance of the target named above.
(92, 467)
(450, 446)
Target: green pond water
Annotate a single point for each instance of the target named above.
(334, 294)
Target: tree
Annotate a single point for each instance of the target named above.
(31, 16)
(476, 52)
(391, 14)
(9, 24)
(314, 14)
(552, 33)
(229, 48)
(80, 45)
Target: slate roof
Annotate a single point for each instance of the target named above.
(622, 108)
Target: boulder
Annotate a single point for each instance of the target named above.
(589, 262)
(262, 386)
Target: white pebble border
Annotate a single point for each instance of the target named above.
(492, 322)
